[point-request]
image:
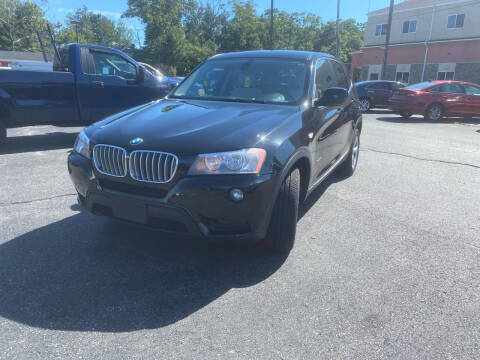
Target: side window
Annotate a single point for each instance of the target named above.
(472, 90)
(341, 79)
(379, 86)
(324, 78)
(111, 64)
(62, 63)
(448, 88)
(396, 85)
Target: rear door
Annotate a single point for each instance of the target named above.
(451, 96)
(472, 99)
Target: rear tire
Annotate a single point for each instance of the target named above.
(434, 112)
(365, 104)
(349, 165)
(3, 134)
(283, 223)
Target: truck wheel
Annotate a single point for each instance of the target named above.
(283, 224)
(347, 168)
(3, 134)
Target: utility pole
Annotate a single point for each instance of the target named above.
(338, 32)
(387, 41)
(271, 24)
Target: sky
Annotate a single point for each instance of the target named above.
(56, 10)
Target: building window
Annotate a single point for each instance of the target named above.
(403, 73)
(374, 76)
(381, 30)
(403, 77)
(446, 71)
(456, 21)
(442, 75)
(409, 26)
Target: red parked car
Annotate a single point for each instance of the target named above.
(435, 99)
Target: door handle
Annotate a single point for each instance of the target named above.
(98, 84)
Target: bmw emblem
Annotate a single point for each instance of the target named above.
(136, 141)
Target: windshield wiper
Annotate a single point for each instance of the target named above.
(207, 98)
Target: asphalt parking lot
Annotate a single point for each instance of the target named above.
(386, 264)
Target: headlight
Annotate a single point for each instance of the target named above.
(247, 161)
(82, 145)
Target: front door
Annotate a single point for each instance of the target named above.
(110, 86)
(325, 120)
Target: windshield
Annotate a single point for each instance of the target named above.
(421, 85)
(278, 81)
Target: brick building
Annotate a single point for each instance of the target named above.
(430, 40)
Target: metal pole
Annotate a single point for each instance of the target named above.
(271, 24)
(76, 32)
(54, 44)
(426, 44)
(41, 46)
(387, 41)
(337, 31)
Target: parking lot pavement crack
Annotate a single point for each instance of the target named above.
(423, 159)
(35, 200)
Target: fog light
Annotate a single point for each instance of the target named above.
(236, 194)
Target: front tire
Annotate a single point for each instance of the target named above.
(434, 112)
(3, 134)
(283, 224)
(349, 165)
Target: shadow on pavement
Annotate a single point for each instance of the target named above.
(379, 111)
(421, 119)
(43, 142)
(86, 273)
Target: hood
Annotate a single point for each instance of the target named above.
(192, 127)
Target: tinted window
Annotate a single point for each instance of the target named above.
(324, 78)
(472, 90)
(379, 86)
(112, 64)
(270, 80)
(340, 77)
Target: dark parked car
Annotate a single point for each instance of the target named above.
(375, 93)
(228, 154)
(87, 84)
(435, 99)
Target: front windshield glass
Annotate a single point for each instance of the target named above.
(277, 81)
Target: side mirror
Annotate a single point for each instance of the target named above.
(141, 74)
(332, 96)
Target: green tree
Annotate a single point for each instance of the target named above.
(18, 22)
(351, 38)
(92, 28)
(245, 30)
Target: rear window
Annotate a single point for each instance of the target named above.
(421, 85)
(62, 63)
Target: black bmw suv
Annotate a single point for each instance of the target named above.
(230, 153)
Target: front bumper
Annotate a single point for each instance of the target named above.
(199, 206)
